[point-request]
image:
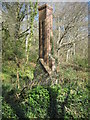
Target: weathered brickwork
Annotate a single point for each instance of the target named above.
(45, 33)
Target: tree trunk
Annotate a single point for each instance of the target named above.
(67, 58)
(74, 49)
(27, 42)
(27, 48)
(17, 81)
(18, 86)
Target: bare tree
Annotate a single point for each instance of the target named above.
(71, 28)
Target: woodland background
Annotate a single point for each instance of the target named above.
(20, 47)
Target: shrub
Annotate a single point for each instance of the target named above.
(82, 62)
(72, 102)
(36, 102)
(8, 112)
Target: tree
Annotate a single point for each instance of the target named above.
(15, 31)
(70, 21)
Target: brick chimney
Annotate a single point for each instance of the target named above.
(45, 32)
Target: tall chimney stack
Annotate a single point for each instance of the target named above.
(45, 32)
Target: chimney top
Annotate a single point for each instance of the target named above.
(45, 6)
